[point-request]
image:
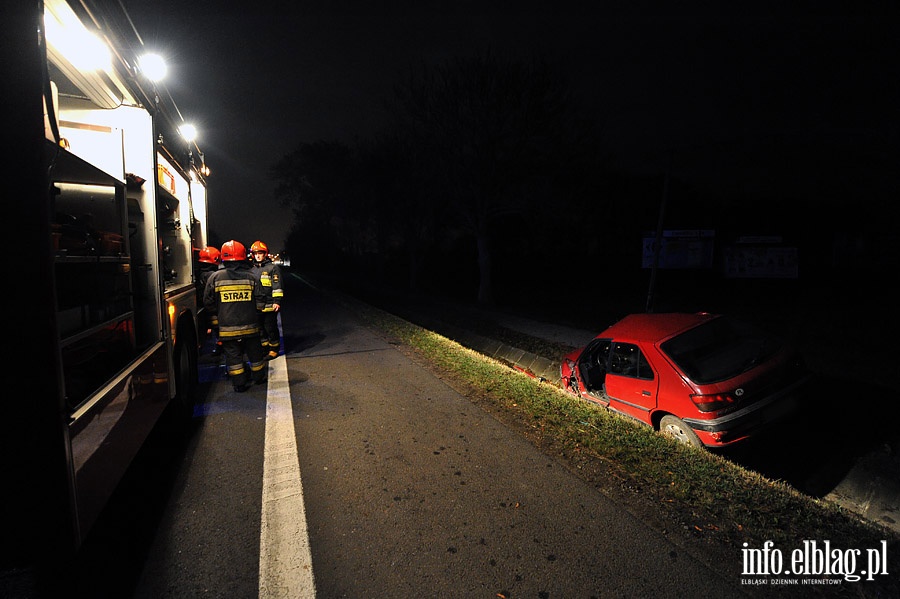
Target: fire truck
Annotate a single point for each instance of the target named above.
(108, 207)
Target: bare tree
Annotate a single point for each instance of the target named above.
(320, 182)
(408, 215)
(490, 131)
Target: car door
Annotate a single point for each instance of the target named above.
(591, 368)
(631, 383)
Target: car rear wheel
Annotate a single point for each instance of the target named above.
(675, 427)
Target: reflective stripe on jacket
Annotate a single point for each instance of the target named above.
(269, 275)
(235, 296)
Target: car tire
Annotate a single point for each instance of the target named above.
(675, 427)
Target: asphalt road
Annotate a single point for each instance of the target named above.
(395, 484)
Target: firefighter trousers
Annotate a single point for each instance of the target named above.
(235, 349)
(271, 338)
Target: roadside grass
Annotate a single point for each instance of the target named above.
(710, 496)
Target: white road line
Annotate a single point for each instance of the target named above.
(285, 560)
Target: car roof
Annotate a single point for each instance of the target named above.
(655, 327)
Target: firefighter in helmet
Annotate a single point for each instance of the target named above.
(234, 294)
(209, 263)
(269, 275)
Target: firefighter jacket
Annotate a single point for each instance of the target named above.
(269, 275)
(205, 271)
(234, 295)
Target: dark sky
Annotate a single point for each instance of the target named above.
(730, 93)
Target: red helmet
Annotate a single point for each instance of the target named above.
(209, 255)
(233, 250)
(259, 246)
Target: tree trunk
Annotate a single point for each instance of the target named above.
(485, 279)
(415, 262)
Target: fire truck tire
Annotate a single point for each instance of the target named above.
(186, 376)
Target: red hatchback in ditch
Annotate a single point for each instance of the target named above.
(706, 379)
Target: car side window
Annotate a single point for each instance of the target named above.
(627, 359)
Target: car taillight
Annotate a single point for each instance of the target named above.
(711, 403)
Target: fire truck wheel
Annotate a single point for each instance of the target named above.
(186, 376)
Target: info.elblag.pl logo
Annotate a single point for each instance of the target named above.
(813, 562)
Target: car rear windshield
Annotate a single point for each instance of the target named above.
(721, 349)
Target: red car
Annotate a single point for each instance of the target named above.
(706, 379)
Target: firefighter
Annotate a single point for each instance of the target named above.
(209, 263)
(233, 293)
(269, 275)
